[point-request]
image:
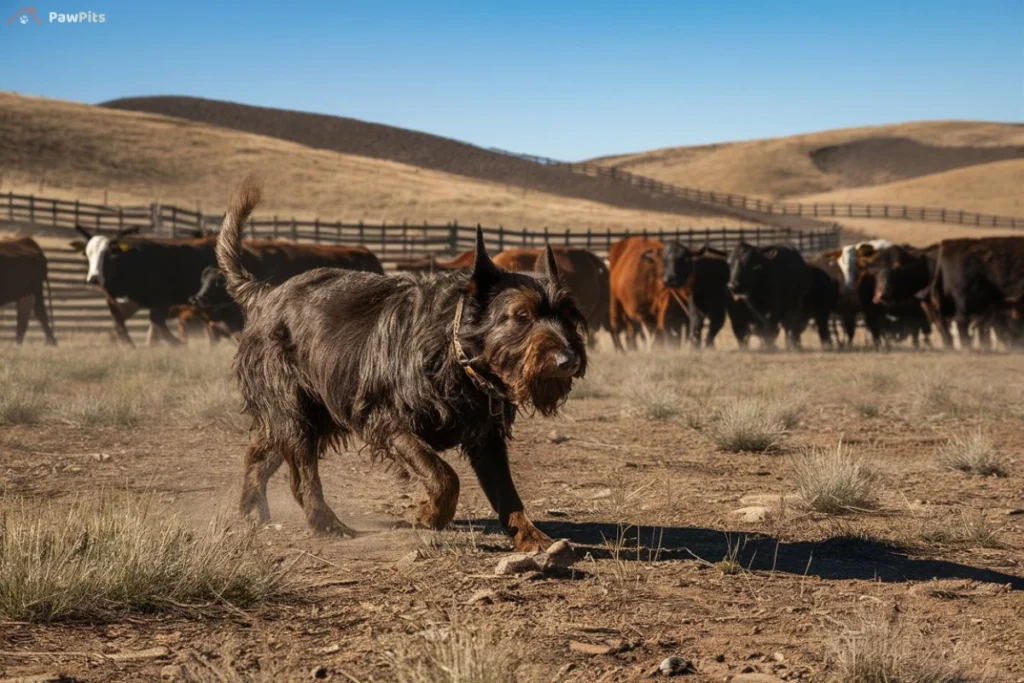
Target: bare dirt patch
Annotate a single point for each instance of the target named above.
(666, 566)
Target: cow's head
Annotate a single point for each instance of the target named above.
(884, 264)
(213, 291)
(746, 267)
(677, 265)
(99, 250)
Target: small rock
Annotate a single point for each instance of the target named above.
(556, 513)
(675, 666)
(779, 657)
(590, 648)
(747, 669)
(977, 621)
(1018, 511)
(516, 563)
(101, 457)
(151, 653)
(319, 672)
(720, 658)
(752, 513)
(172, 672)
(755, 678)
(555, 437)
(603, 493)
(329, 650)
(767, 499)
(485, 596)
(559, 555)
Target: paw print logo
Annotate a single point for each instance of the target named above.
(24, 15)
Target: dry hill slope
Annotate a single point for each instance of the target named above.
(831, 160)
(78, 151)
(377, 141)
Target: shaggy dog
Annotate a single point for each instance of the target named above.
(411, 365)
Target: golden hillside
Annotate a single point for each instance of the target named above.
(815, 163)
(73, 150)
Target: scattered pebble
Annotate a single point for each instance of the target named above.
(151, 653)
(172, 672)
(675, 666)
(603, 493)
(779, 657)
(555, 437)
(329, 650)
(559, 556)
(753, 513)
(319, 672)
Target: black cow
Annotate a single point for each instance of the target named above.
(821, 300)
(274, 261)
(983, 280)
(705, 273)
(773, 283)
(22, 279)
(902, 277)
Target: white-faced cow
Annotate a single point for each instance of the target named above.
(152, 273)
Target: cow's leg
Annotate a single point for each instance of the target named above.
(158, 327)
(117, 312)
(24, 310)
(261, 461)
(849, 323)
(438, 477)
(44, 318)
(716, 320)
(697, 328)
(821, 321)
(615, 323)
(489, 459)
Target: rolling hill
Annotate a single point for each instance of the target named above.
(816, 163)
(412, 148)
(79, 151)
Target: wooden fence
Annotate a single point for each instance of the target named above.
(78, 308)
(816, 210)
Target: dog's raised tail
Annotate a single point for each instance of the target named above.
(242, 285)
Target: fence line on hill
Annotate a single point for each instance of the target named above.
(770, 208)
(79, 308)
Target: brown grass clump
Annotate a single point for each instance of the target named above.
(877, 651)
(99, 560)
(751, 424)
(831, 481)
(459, 653)
(973, 530)
(974, 454)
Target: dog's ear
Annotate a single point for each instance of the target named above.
(548, 266)
(485, 273)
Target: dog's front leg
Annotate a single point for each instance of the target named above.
(489, 459)
(438, 477)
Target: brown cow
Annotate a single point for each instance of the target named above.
(585, 274)
(22, 276)
(430, 263)
(638, 298)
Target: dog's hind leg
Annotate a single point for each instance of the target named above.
(489, 459)
(438, 477)
(261, 461)
(307, 489)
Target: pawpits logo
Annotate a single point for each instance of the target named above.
(27, 15)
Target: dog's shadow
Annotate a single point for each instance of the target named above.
(836, 558)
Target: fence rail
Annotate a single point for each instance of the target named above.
(763, 206)
(78, 308)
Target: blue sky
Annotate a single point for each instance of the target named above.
(564, 79)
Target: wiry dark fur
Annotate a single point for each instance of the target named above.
(332, 354)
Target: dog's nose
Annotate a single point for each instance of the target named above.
(566, 361)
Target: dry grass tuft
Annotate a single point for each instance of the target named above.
(974, 454)
(447, 543)
(98, 560)
(650, 399)
(457, 654)
(972, 530)
(21, 405)
(631, 562)
(831, 481)
(750, 424)
(876, 651)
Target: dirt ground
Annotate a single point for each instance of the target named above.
(631, 457)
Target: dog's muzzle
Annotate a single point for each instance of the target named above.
(566, 364)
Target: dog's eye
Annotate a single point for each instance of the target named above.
(522, 315)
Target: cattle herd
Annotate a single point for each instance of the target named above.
(647, 289)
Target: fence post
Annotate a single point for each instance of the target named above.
(316, 230)
(120, 219)
(337, 230)
(295, 231)
(362, 233)
(524, 237)
(608, 238)
(588, 238)
(943, 216)
(453, 239)
(76, 212)
(567, 237)
(31, 208)
(501, 238)
(383, 233)
(275, 229)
